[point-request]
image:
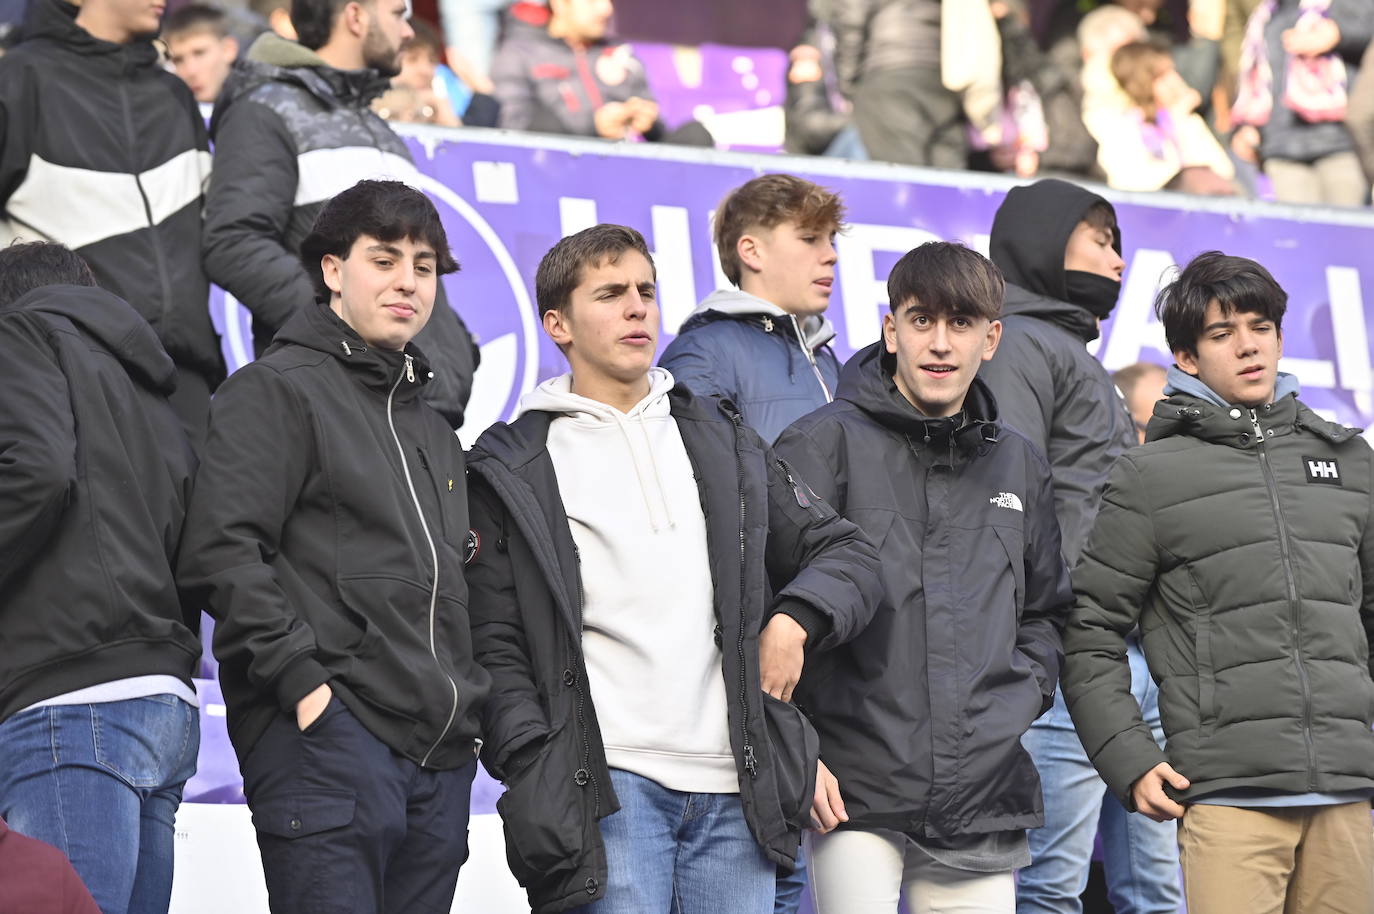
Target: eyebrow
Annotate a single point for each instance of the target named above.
(396, 252)
(618, 288)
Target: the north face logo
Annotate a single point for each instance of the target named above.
(1322, 470)
(1007, 500)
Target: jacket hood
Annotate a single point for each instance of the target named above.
(317, 327)
(272, 58)
(867, 382)
(1201, 417)
(555, 396)
(1073, 318)
(816, 330)
(56, 21)
(1032, 229)
(113, 322)
(1179, 381)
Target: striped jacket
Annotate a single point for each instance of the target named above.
(290, 132)
(104, 151)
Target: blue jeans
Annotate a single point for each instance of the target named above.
(102, 784)
(791, 886)
(685, 853)
(1140, 856)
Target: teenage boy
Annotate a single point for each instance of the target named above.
(98, 725)
(1240, 540)
(764, 345)
(647, 580)
(327, 527)
(200, 48)
(921, 716)
(1059, 248)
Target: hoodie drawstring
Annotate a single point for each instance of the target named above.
(621, 423)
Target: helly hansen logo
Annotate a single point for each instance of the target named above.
(1007, 500)
(1323, 470)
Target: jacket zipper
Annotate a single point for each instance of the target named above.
(803, 499)
(750, 762)
(1285, 551)
(409, 375)
(581, 696)
(811, 357)
(158, 256)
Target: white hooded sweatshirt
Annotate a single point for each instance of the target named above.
(648, 631)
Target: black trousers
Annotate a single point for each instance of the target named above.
(346, 826)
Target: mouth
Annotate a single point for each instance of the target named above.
(1252, 372)
(938, 370)
(400, 310)
(637, 338)
(825, 283)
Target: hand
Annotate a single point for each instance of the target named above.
(643, 114)
(1150, 798)
(827, 809)
(309, 708)
(782, 651)
(1312, 40)
(611, 120)
(1245, 143)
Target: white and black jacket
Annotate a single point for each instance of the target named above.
(290, 132)
(103, 150)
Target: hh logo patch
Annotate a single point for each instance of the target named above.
(1007, 500)
(1324, 470)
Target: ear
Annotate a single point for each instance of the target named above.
(1187, 361)
(749, 249)
(331, 265)
(230, 44)
(890, 332)
(556, 326)
(994, 337)
(355, 18)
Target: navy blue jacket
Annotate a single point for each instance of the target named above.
(772, 366)
(921, 716)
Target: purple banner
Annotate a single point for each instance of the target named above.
(506, 199)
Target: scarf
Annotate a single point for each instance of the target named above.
(1314, 87)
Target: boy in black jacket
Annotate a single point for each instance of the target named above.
(326, 530)
(647, 578)
(921, 716)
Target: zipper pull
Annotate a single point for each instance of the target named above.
(1259, 432)
(751, 764)
(767, 324)
(803, 500)
(348, 350)
(410, 368)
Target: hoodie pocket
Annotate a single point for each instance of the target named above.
(796, 749)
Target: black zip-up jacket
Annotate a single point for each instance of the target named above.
(105, 151)
(96, 475)
(324, 536)
(921, 716)
(1241, 542)
(291, 132)
(772, 548)
(1047, 385)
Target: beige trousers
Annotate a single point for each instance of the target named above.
(1301, 860)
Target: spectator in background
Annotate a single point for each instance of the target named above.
(1158, 132)
(1142, 384)
(1297, 62)
(418, 93)
(200, 48)
(293, 128)
(277, 15)
(88, 116)
(1359, 115)
(472, 29)
(98, 723)
(818, 118)
(1100, 34)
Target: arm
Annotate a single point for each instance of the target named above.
(252, 192)
(230, 557)
(1355, 19)
(849, 22)
(1049, 596)
(1111, 582)
(37, 444)
(1023, 384)
(1367, 571)
(694, 362)
(512, 90)
(513, 716)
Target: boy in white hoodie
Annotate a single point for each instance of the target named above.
(646, 580)
(765, 344)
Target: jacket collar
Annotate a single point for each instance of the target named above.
(318, 328)
(55, 20)
(1234, 426)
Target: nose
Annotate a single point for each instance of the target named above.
(636, 306)
(1118, 266)
(829, 256)
(407, 31)
(405, 278)
(939, 338)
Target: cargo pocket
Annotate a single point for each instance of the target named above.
(304, 813)
(795, 748)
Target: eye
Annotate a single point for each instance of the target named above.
(382, 262)
(962, 323)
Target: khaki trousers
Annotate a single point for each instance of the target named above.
(1302, 860)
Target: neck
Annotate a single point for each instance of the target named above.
(100, 25)
(559, 29)
(758, 290)
(342, 55)
(622, 395)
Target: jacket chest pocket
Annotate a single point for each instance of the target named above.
(1014, 544)
(443, 488)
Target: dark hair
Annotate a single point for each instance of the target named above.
(766, 202)
(561, 269)
(385, 210)
(947, 278)
(426, 36)
(1101, 215)
(32, 265)
(314, 20)
(1136, 65)
(1235, 283)
(1127, 378)
(196, 17)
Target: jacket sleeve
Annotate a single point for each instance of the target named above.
(1367, 569)
(849, 21)
(37, 444)
(252, 192)
(702, 368)
(1355, 19)
(1111, 581)
(248, 482)
(453, 357)
(1048, 595)
(513, 716)
(821, 563)
(1023, 385)
(512, 89)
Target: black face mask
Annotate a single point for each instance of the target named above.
(1098, 294)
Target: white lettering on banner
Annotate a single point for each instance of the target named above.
(1134, 326)
(670, 245)
(1351, 334)
(865, 295)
